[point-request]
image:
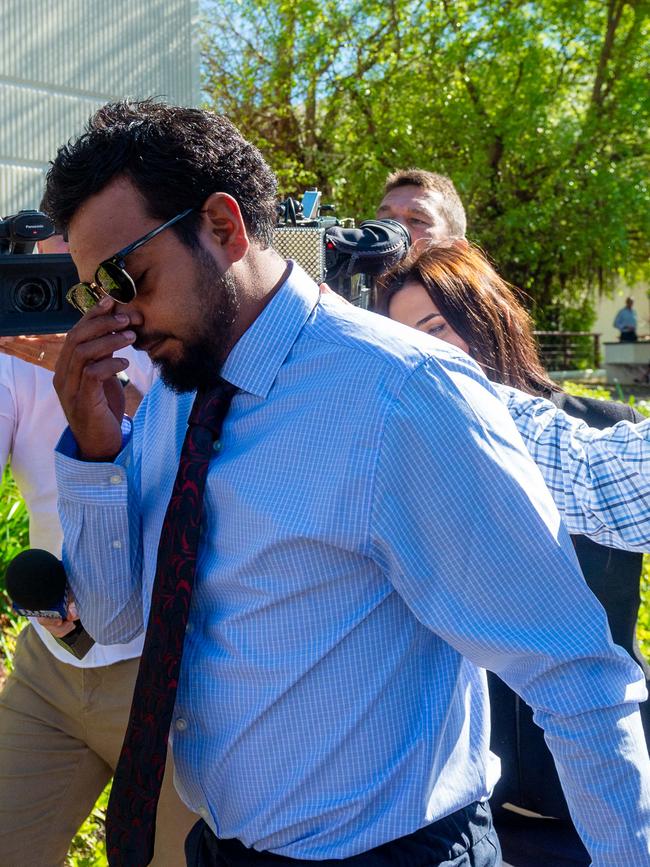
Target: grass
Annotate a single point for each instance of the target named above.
(13, 539)
(87, 849)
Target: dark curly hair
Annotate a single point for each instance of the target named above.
(175, 156)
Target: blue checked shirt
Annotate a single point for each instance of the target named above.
(374, 535)
(600, 480)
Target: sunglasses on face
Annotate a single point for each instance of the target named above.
(111, 277)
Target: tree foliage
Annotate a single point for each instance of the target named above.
(538, 111)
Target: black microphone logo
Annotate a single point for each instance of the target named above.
(38, 586)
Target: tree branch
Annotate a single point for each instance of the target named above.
(614, 13)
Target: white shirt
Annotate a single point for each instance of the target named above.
(31, 422)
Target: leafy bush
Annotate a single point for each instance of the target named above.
(87, 848)
(643, 623)
(581, 389)
(14, 535)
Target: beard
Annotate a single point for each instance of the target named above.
(199, 365)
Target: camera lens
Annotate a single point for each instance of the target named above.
(33, 295)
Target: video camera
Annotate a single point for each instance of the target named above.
(346, 258)
(33, 288)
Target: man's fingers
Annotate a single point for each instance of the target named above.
(57, 628)
(101, 347)
(101, 319)
(84, 379)
(78, 356)
(98, 372)
(85, 393)
(97, 326)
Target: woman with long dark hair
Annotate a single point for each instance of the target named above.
(453, 293)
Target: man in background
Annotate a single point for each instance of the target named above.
(426, 203)
(626, 321)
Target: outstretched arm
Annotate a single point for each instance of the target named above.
(599, 479)
(467, 532)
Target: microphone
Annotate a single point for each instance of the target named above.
(38, 586)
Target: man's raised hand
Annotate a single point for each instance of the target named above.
(86, 381)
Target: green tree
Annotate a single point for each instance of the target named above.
(538, 110)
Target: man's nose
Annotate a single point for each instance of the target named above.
(130, 309)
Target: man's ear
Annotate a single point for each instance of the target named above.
(223, 222)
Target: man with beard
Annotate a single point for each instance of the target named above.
(371, 533)
(62, 719)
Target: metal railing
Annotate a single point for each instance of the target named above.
(568, 350)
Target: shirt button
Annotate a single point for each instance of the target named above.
(181, 724)
(116, 479)
(116, 543)
(204, 813)
(216, 445)
(189, 627)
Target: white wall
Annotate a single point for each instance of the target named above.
(61, 59)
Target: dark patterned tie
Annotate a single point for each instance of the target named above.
(131, 815)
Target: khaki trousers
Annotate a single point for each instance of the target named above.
(61, 731)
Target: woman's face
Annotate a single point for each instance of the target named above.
(413, 306)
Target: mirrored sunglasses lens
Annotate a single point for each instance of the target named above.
(82, 297)
(115, 282)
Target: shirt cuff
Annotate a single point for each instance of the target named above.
(92, 481)
(67, 444)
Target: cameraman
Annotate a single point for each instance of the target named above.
(426, 203)
(62, 719)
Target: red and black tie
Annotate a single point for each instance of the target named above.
(131, 815)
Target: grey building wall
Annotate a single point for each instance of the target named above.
(61, 59)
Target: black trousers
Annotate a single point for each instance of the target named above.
(463, 839)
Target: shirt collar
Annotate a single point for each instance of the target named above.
(256, 358)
